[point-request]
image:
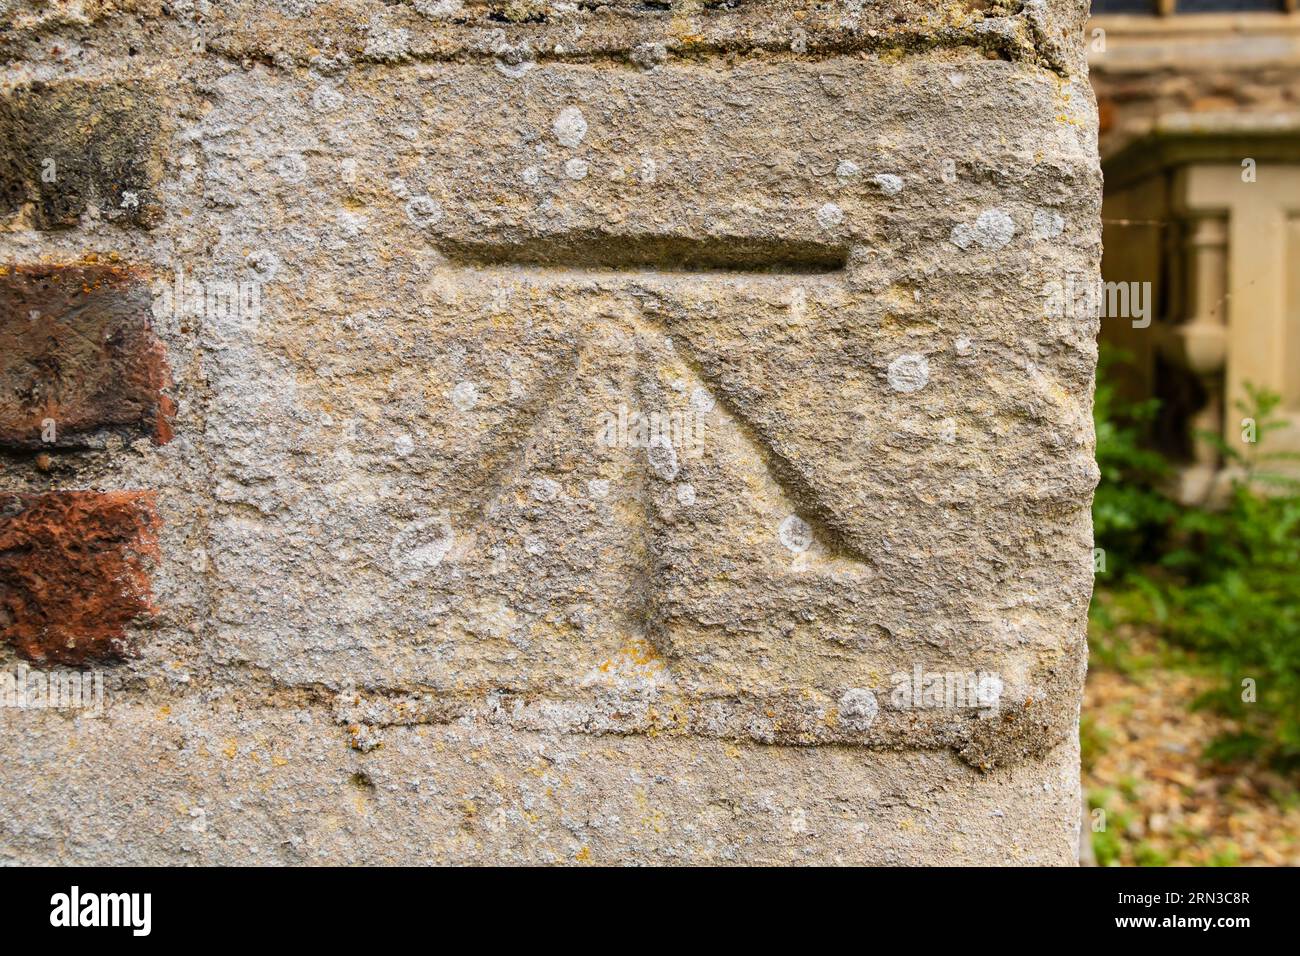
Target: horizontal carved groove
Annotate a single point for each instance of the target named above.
(601, 250)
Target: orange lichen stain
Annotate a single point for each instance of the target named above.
(164, 711)
(635, 653)
(232, 748)
(583, 855)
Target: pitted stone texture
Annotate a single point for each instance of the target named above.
(415, 531)
(74, 573)
(216, 784)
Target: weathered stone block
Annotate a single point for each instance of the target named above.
(69, 148)
(649, 415)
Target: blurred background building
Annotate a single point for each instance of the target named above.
(1200, 142)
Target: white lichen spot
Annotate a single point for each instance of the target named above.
(403, 446)
(423, 211)
(799, 42)
(958, 80)
(531, 175)
(1048, 224)
(649, 56)
(130, 200)
(909, 373)
(663, 457)
(464, 396)
(513, 61)
(858, 708)
(648, 172)
(545, 489)
(992, 229)
(264, 263)
(570, 126)
(326, 99)
(598, 488)
(686, 493)
(292, 168)
(576, 169)
(534, 546)
(387, 46)
(846, 170)
(513, 70)
(439, 9)
(422, 546)
(830, 215)
(889, 183)
(797, 304)
(795, 534)
(701, 400)
(962, 345)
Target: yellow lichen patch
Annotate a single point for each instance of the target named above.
(637, 658)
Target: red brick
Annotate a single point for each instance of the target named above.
(77, 347)
(74, 572)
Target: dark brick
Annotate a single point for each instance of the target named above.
(74, 573)
(77, 348)
(98, 144)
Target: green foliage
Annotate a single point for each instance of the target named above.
(1224, 581)
(1130, 516)
(1093, 741)
(1107, 845)
(1236, 598)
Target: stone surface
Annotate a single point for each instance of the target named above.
(639, 422)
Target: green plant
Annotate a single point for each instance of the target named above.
(1107, 846)
(1235, 597)
(1223, 581)
(1130, 515)
(1147, 855)
(1093, 741)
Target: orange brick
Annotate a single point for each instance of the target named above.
(74, 572)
